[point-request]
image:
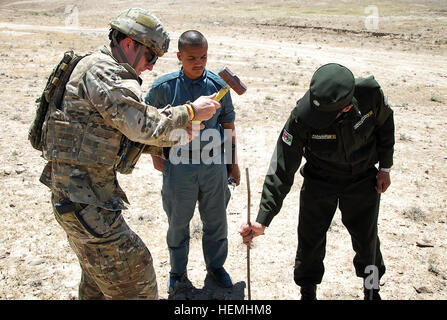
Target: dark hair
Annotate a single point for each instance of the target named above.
(119, 36)
(191, 38)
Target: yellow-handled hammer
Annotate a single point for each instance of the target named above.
(231, 82)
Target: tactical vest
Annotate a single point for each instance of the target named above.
(86, 140)
(52, 95)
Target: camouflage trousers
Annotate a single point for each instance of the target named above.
(115, 262)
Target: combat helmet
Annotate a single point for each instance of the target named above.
(143, 27)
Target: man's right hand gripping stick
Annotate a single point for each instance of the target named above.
(232, 82)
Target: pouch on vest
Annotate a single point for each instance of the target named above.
(52, 95)
(129, 156)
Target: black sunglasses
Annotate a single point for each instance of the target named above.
(151, 56)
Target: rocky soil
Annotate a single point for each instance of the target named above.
(274, 47)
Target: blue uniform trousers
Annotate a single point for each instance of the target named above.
(183, 186)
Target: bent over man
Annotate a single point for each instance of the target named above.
(342, 126)
(101, 127)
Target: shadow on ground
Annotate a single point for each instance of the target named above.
(185, 290)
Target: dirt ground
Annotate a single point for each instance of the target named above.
(274, 47)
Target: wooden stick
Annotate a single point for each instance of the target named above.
(248, 246)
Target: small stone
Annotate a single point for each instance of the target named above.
(72, 296)
(71, 284)
(424, 244)
(36, 262)
(20, 170)
(423, 290)
(57, 287)
(146, 216)
(36, 283)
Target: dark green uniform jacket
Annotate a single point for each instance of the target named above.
(350, 146)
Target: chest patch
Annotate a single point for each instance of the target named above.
(324, 136)
(287, 138)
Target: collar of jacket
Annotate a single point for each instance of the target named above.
(200, 81)
(132, 71)
(352, 115)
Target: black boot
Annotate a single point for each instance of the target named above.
(309, 292)
(222, 277)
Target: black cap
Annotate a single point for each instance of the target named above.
(331, 90)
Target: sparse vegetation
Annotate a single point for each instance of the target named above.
(41, 13)
(293, 83)
(404, 137)
(196, 229)
(414, 213)
(433, 269)
(436, 98)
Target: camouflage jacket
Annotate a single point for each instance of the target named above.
(83, 140)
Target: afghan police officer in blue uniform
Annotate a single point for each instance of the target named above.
(196, 172)
(343, 127)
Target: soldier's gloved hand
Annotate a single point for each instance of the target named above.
(249, 231)
(205, 107)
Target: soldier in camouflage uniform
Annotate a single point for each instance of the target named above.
(101, 127)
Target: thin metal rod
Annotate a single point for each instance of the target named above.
(248, 246)
(371, 291)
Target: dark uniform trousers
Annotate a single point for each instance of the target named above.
(358, 202)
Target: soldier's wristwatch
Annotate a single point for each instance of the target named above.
(385, 169)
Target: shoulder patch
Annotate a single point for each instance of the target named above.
(368, 82)
(215, 78)
(287, 138)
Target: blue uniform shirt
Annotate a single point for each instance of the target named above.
(176, 89)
